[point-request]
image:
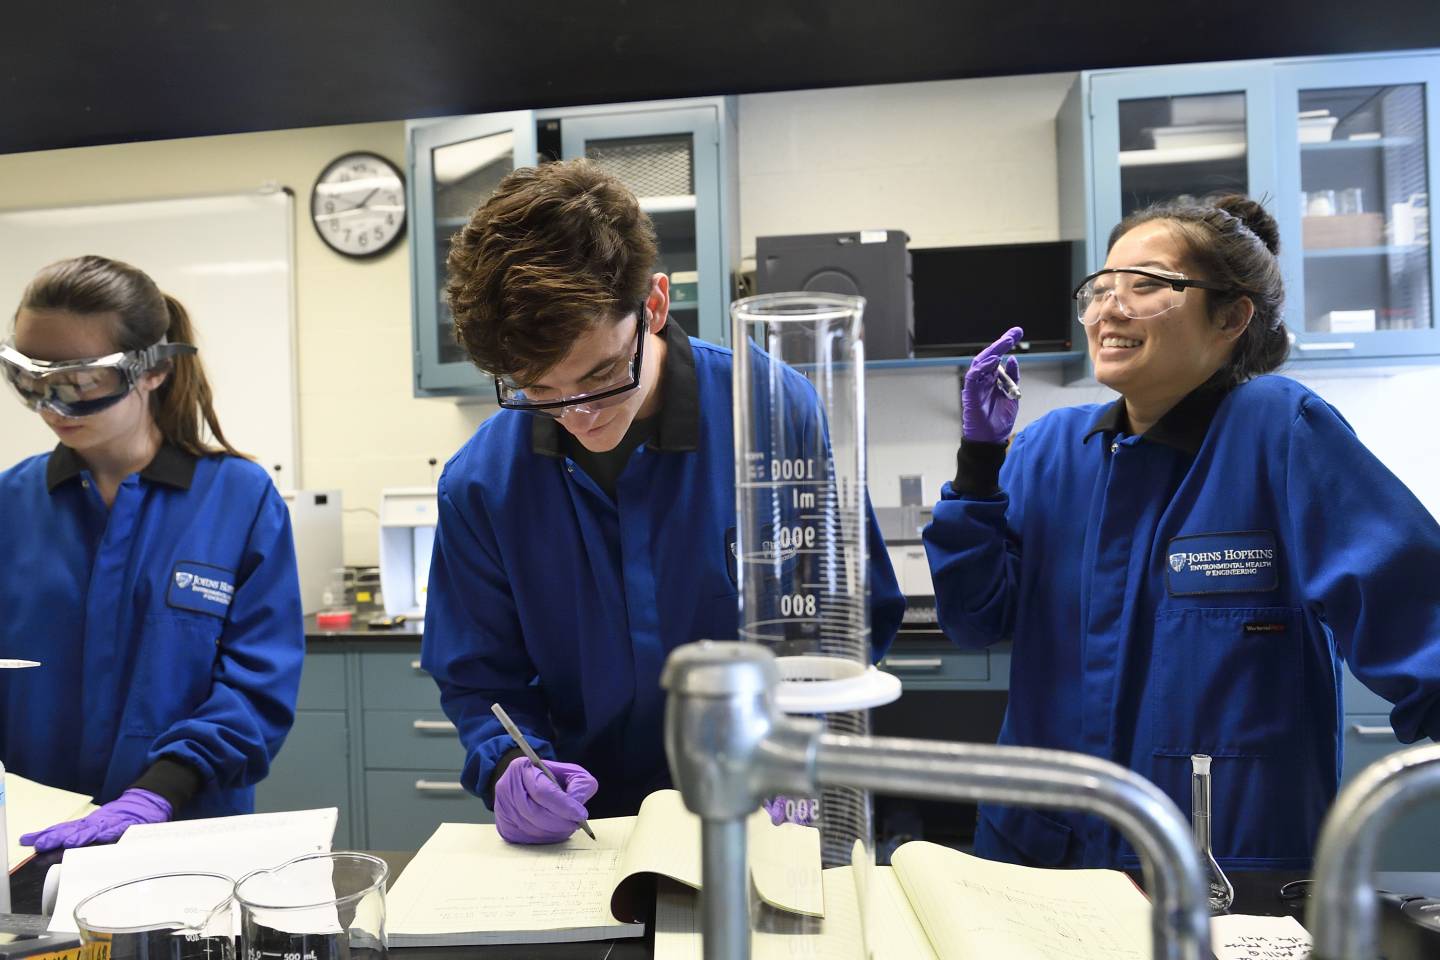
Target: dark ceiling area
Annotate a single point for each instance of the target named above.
(76, 74)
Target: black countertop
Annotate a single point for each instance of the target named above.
(361, 630)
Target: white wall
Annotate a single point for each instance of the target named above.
(952, 162)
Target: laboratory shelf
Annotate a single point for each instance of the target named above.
(1325, 145)
(1025, 359)
(1389, 251)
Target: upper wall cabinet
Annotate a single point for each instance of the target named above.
(1342, 152)
(678, 156)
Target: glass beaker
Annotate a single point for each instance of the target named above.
(320, 906)
(172, 916)
(802, 525)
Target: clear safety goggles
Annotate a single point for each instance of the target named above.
(1139, 292)
(605, 388)
(80, 388)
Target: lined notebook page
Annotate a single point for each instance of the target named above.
(973, 908)
(468, 886)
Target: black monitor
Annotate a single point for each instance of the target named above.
(965, 297)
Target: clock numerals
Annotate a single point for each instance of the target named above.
(358, 205)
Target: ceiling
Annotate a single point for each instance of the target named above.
(103, 71)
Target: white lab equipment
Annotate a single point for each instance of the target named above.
(315, 517)
(408, 516)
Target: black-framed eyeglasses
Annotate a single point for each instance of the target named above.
(611, 385)
(1141, 293)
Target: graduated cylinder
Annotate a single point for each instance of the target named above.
(801, 541)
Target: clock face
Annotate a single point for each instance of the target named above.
(358, 204)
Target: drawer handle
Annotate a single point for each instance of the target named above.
(914, 663)
(415, 665)
(439, 786)
(1332, 345)
(433, 726)
(1367, 730)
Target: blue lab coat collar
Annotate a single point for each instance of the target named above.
(171, 466)
(1183, 427)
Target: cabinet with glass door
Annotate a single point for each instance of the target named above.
(1340, 150)
(679, 157)
(1356, 160)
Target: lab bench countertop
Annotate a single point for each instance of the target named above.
(360, 631)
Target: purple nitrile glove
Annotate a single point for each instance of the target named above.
(783, 809)
(104, 825)
(529, 808)
(987, 415)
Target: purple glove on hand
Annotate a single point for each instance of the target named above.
(783, 809)
(529, 808)
(104, 825)
(987, 415)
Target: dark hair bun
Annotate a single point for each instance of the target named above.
(1254, 216)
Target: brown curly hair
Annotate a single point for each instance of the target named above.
(556, 249)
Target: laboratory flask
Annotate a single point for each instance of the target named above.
(800, 546)
(172, 916)
(319, 906)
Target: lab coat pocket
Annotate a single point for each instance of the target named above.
(173, 671)
(1224, 681)
(1025, 836)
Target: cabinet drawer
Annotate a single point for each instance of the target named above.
(403, 808)
(411, 740)
(937, 665)
(394, 681)
(322, 682)
(311, 770)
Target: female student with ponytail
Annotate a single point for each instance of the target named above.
(150, 573)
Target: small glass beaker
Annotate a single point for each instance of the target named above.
(320, 906)
(171, 916)
(1351, 201)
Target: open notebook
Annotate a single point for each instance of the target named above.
(31, 806)
(467, 886)
(935, 902)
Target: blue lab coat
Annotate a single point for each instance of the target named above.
(168, 626)
(1193, 591)
(562, 604)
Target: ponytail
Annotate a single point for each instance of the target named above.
(184, 398)
(94, 285)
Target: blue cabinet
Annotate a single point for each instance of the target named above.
(1341, 150)
(679, 157)
(1413, 841)
(313, 768)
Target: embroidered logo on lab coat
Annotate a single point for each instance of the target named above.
(1238, 562)
(201, 587)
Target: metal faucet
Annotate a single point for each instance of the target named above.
(1343, 915)
(729, 746)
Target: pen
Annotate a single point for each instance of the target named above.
(529, 751)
